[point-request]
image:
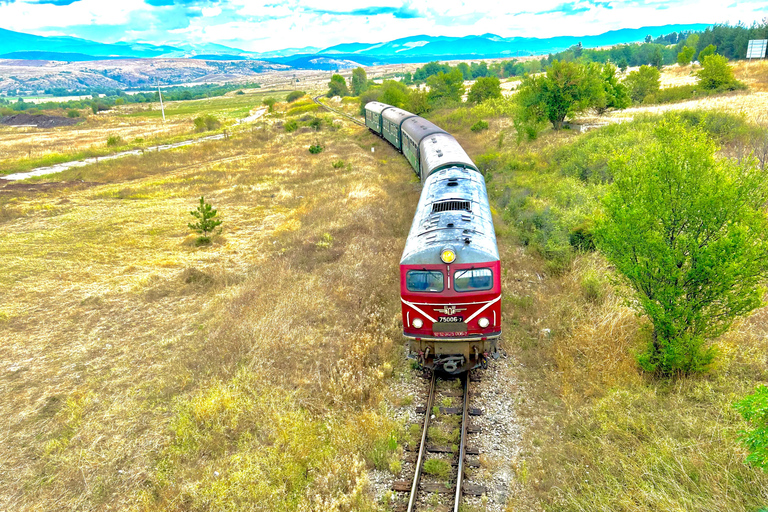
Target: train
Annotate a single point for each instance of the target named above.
(450, 271)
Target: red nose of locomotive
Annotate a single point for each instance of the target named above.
(451, 303)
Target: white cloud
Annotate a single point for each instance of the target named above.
(275, 24)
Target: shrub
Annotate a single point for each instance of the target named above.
(479, 126)
(643, 82)
(206, 221)
(716, 74)
(315, 149)
(114, 140)
(687, 232)
(754, 408)
(316, 123)
(73, 113)
(293, 96)
(270, 103)
(302, 109)
(240, 92)
(291, 125)
(338, 164)
(206, 123)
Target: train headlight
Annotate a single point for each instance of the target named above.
(448, 255)
(483, 323)
(418, 323)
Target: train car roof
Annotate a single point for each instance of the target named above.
(441, 150)
(418, 128)
(397, 115)
(377, 107)
(453, 211)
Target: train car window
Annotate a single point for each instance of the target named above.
(424, 281)
(473, 280)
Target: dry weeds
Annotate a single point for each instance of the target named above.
(117, 329)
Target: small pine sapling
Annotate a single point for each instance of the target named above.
(206, 221)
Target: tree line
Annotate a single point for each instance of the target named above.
(113, 97)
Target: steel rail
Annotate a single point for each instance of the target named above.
(316, 99)
(423, 445)
(463, 443)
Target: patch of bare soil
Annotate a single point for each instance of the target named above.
(39, 120)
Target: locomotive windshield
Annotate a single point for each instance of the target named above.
(473, 280)
(424, 281)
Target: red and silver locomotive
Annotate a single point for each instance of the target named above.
(450, 273)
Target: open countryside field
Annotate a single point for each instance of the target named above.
(141, 372)
(134, 126)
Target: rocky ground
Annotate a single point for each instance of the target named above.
(499, 440)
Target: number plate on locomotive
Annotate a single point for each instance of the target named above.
(450, 319)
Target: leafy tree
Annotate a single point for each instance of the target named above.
(685, 56)
(465, 71)
(206, 221)
(688, 233)
(706, 52)
(418, 103)
(754, 408)
(337, 86)
(484, 88)
(657, 58)
(479, 69)
(716, 73)
(394, 93)
(648, 38)
(206, 123)
(270, 103)
(359, 81)
(623, 64)
(615, 95)
(565, 89)
(445, 88)
(643, 82)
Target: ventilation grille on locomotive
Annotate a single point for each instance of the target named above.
(447, 206)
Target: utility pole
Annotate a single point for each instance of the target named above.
(162, 108)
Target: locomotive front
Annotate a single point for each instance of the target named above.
(450, 280)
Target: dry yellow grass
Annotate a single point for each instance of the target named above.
(125, 347)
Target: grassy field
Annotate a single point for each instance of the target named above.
(134, 126)
(140, 371)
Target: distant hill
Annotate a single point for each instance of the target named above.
(422, 48)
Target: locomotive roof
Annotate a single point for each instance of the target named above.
(441, 150)
(418, 128)
(453, 211)
(377, 107)
(397, 115)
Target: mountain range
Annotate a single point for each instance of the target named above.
(422, 48)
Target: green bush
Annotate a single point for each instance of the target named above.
(206, 221)
(687, 232)
(293, 96)
(338, 164)
(754, 408)
(73, 113)
(114, 140)
(240, 92)
(315, 149)
(206, 123)
(291, 125)
(479, 126)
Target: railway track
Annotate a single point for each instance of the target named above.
(316, 99)
(443, 455)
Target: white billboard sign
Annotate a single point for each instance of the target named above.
(756, 48)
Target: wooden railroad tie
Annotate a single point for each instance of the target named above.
(471, 450)
(473, 411)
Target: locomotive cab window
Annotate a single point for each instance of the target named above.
(424, 281)
(471, 280)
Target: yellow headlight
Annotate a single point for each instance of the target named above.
(448, 256)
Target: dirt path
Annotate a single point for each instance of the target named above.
(41, 171)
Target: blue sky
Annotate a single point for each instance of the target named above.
(276, 24)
